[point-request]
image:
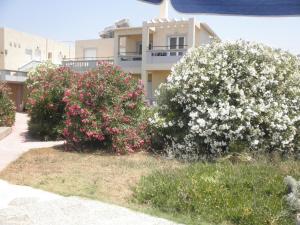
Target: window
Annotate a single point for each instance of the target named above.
(139, 48)
(151, 45)
(50, 55)
(28, 51)
(37, 54)
(176, 43)
(90, 53)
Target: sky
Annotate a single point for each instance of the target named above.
(70, 20)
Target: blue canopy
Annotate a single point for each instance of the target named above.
(237, 7)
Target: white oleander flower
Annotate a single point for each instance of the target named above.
(226, 92)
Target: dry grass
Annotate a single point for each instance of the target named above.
(97, 176)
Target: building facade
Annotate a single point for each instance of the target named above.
(19, 52)
(147, 52)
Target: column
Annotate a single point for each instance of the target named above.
(116, 48)
(146, 41)
(191, 33)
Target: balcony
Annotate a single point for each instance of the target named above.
(130, 60)
(81, 65)
(165, 54)
(13, 76)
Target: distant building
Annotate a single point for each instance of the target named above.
(19, 52)
(147, 52)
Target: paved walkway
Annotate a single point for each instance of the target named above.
(28, 206)
(18, 142)
(20, 205)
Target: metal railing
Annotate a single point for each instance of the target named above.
(130, 56)
(88, 59)
(151, 101)
(167, 47)
(173, 50)
(165, 54)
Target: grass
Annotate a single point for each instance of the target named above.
(220, 193)
(223, 193)
(96, 176)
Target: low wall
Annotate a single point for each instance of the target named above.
(4, 132)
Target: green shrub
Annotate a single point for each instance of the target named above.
(105, 108)
(228, 96)
(7, 107)
(222, 193)
(46, 87)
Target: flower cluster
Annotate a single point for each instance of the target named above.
(46, 86)
(224, 94)
(105, 108)
(7, 107)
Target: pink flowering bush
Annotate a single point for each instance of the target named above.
(7, 107)
(46, 87)
(105, 108)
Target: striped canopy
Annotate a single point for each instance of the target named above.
(237, 7)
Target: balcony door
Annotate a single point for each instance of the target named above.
(176, 43)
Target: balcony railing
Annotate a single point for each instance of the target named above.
(14, 76)
(85, 64)
(165, 54)
(129, 59)
(151, 101)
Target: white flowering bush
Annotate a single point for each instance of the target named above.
(230, 95)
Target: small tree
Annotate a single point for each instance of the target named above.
(7, 107)
(105, 108)
(46, 88)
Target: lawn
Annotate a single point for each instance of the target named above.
(97, 176)
(239, 193)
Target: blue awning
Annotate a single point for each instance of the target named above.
(237, 7)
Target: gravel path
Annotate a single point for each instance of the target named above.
(20, 205)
